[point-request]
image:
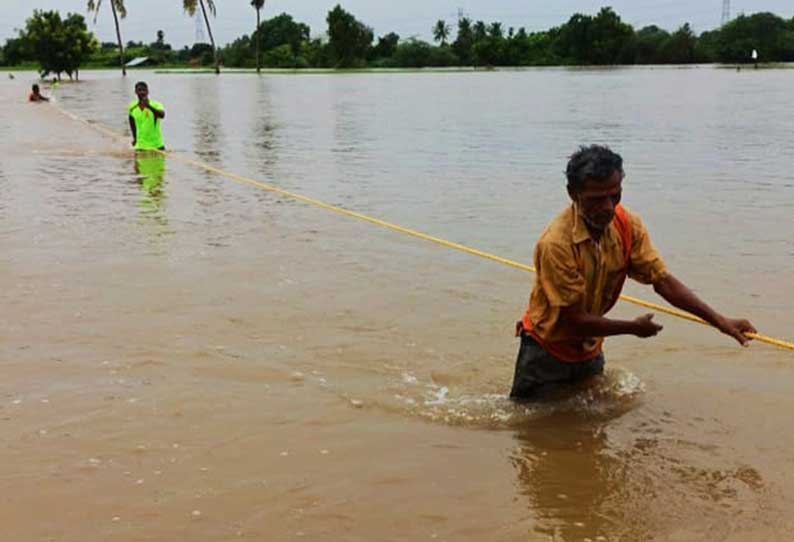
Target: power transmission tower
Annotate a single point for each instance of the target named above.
(200, 38)
(726, 11)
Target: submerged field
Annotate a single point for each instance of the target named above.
(189, 358)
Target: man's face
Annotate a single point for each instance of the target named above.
(142, 92)
(597, 200)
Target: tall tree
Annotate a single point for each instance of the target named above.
(118, 9)
(281, 30)
(258, 5)
(603, 39)
(495, 31)
(59, 45)
(680, 48)
(190, 7)
(649, 44)
(480, 31)
(611, 36)
(441, 32)
(464, 41)
(348, 38)
(386, 46)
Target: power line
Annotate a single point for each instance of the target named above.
(200, 38)
(726, 12)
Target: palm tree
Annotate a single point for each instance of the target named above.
(480, 31)
(441, 32)
(118, 9)
(190, 8)
(495, 30)
(258, 5)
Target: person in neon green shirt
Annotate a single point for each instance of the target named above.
(145, 120)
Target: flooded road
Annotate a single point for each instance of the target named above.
(189, 358)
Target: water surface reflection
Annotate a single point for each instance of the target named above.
(567, 477)
(150, 171)
(583, 481)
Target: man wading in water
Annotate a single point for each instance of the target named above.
(145, 116)
(582, 260)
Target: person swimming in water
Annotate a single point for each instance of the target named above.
(36, 96)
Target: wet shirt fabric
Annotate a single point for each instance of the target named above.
(573, 269)
(147, 126)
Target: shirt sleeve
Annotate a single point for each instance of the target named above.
(646, 267)
(156, 105)
(558, 275)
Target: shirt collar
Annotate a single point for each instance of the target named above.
(580, 233)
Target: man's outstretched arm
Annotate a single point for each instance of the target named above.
(677, 294)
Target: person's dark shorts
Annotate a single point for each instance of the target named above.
(538, 372)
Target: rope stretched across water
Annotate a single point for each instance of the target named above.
(407, 231)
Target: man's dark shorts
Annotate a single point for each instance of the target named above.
(537, 371)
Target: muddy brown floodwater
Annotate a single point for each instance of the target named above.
(187, 358)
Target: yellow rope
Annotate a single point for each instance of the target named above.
(437, 240)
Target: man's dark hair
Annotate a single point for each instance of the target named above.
(596, 162)
(140, 84)
(35, 88)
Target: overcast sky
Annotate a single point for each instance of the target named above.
(406, 17)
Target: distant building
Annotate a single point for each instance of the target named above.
(139, 61)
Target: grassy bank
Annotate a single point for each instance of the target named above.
(759, 66)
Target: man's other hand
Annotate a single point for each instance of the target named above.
(646, 327)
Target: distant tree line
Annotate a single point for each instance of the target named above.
(282, 42)
(601, 39)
